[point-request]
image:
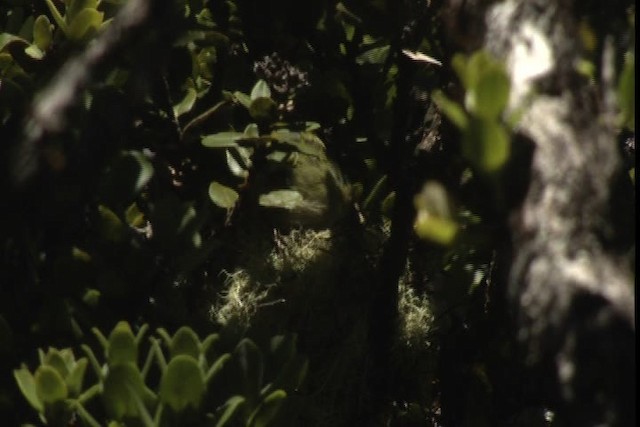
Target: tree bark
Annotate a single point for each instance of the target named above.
(571, 295)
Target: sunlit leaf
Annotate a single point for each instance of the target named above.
(222, 140)
(186, 104)
(286, 199)
(242, 98)
(42, 32)
(222, 195)
(436, 229)
(421, 57)
(376, 55)
(260, 90)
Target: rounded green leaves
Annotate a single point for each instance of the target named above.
(182, 384)
(222, 195)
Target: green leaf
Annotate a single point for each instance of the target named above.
(285, 199)
(50, 387)
(111, 228)
(182, 383)
(122, 381)
(186, 104)
(122, 345)
(217, 367)
(451, 109)
(85, 24)
(242, 98)
(54, 359)
(486, 145)
(251, 131)
(489, 97)
(185, 341)
(376, 55)
(260, 90)
(27, 385)
(436, 229)
(57, 16)
(249, 359)
(222, 195)
(238, 161)
(42, 32)
(263, 109)
(128, 174)
(34, 52)
(268, 409)
(74, 7)
(222, 140)
(76, 377)
(230, 411)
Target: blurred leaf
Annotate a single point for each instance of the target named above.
(486, 145)
(185, 342)
(222, 195)
(230, 411)
(50, 387)
(182, 383)
(122, 345)
(133, 216)
(111, 227)
(439, 230)
(249, 359)
(490, 96)
(451, 109)
(75, 7)
(122, 381)
(91, 297)
(27, 386)
(76, 376)
(126, 176)
(85, 24)
(268, 409)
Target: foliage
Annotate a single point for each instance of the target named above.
(283, 143)
(126, 393)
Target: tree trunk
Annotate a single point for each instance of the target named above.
(571, 295)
